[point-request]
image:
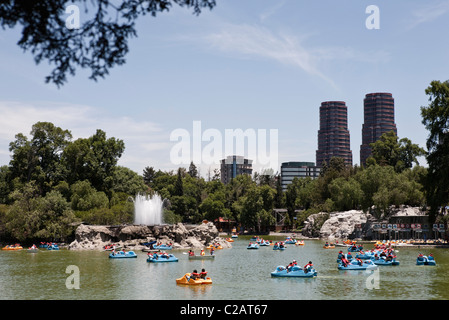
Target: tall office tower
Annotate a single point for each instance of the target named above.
(333, 136)
(378, 118)
(232, 166)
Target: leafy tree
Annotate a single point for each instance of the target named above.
(100, 43)
(94, 159)
(435, 117)
(39, 158)
(179, 189)
(85, 197)
(400, 154)
(127, 181)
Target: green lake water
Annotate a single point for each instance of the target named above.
(237, 274)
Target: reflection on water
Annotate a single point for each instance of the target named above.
(237, 274)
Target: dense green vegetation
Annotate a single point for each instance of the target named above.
(53, 183)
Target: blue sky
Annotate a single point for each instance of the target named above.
(252, 64)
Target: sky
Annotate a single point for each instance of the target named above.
(257, 65)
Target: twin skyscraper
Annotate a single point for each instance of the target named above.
(333, 135)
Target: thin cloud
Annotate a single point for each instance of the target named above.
(249, 40)
(142, 138)
(428, 13)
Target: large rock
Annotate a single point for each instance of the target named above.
(341, 225)
(89, 237)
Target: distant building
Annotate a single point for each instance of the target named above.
(232, 166)
(291, 170)
(333, 136)
(378, 109)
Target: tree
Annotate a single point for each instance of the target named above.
(148, 175)
(435, 117)
(99, 44)
(39, 158)
(400, 154)
(93, 159)
(193, 171)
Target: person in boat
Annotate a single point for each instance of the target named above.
(326, 244)
(308, 267)
(203, 274)
(202, 252)
(191, 253)
(430, 257)
(344, 261)
(212, 251)
(155, 256)
(359, 261)
(194, 275)
(349, 256)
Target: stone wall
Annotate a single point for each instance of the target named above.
(93, 237)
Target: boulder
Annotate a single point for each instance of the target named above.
(341, 225)
(89, 237)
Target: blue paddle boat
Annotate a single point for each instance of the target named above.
(122, 255)
(53, 247)
(355, 248)
(253, 246)
(265, 243)
(290, 241)
(354, 265)
(295, 271)
(426, 261)
(163, 247)
(161, 258)
(278, 247)
(385, 262)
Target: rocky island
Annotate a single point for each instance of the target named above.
(133, 237)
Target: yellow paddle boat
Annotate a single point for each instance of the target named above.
(300, 243)
(191, 282)
(13, 247)
(229, 240)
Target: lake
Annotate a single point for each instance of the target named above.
(237, 274)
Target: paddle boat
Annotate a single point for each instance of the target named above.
(426, 260)
(229, 240)
(355, 248)
(300, 243)
(33, 249)
(385, 262)
(290, 241)
(161, 257)
(279, 246)
(329, 246)
(294, 271)
(234, 236)
(187, 280)
(253, 246)
(53, 247)
(265, 243)
(112, 247)
(215, 246)
(200, 257)
(122, 255)
(13, 247)
(354, 265)
(163, 247)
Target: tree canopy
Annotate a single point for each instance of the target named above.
(99, 44)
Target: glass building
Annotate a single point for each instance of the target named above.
(291, 170)
(232, 166)
(378, 109)
(333, 136)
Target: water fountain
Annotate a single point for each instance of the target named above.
(148, 209)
